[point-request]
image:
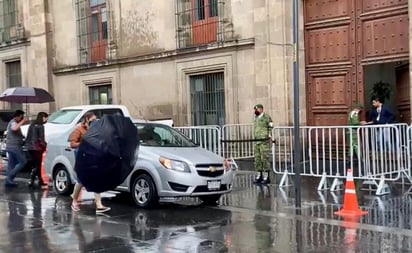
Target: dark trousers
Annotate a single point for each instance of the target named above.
(36, 158)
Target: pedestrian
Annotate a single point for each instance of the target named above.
(354, 120)
(75, 140)
(36, 145)
(382, 114)
(14, 146)
(262, 131)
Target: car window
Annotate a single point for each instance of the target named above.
(100, 112)
(162, 136)
(63, 116)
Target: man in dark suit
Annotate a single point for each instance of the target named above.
(381, 115)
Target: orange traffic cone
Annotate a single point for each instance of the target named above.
(43, 168)
(350, 202)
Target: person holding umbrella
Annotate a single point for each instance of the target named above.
(14, 147)
(75, 139)
(36, 145)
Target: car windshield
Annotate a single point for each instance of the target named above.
(63, 116)
(158, 135)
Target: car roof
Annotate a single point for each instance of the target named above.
(148, 123)
(89, 107)
(139, 121)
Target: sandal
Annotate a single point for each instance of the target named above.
(75, 208)
(78, 199)
(102, 209)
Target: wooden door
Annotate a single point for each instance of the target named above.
(340, 38)
(98, 33)
(330, 60)
(205, 21)
(403, 98)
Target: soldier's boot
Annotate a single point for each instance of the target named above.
(258, 178)
(266, 178)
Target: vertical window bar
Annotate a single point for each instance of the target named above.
(207, 99)
(92, 30)
(199, 22)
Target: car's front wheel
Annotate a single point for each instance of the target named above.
(144, 192)
(62, 182)
(210, 199)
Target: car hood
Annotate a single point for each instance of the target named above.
(190, 155)
(50, 129)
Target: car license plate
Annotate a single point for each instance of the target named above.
(213, 185)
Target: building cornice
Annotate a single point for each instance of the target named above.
(161, 56)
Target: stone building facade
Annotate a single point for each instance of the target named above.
(206, 61)
(26, 44)
(197, 62)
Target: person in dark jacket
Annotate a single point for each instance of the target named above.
(381, 114)
(36, 145)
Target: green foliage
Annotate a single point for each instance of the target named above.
(382, 90)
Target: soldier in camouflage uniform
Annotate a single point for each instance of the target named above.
(263, 128)
(354, 120)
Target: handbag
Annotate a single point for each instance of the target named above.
(38, 143)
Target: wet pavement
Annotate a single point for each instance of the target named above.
(250, 219)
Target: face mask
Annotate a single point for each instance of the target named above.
(257, 113)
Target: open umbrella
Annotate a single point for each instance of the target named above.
(107, 153)
(26, 95)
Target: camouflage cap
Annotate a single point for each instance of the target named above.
(258, 106)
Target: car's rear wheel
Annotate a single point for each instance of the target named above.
(144, 192)
(210, 199)
(62, 182)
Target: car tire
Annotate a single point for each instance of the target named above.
(144, 192)
(62, 182)
(210, 200)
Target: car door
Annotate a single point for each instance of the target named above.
(67, 151)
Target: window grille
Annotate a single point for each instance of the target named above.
(13, 76)
(208, 99)
(199, 22)
(9, 28)
(92, 30)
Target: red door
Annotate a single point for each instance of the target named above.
(205, 21)
(98, 32)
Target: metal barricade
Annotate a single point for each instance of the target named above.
(282, 152)
(375, 153)
(207, 137)
(237, 141)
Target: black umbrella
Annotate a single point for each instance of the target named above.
(107, 153)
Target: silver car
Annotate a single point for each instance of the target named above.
(169, 166)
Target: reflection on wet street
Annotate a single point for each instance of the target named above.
(250, 219)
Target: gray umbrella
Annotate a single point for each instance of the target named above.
(26, 95)
(20, 95)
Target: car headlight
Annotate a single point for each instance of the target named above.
(174, 165)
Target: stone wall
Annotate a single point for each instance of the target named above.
(257, 65)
